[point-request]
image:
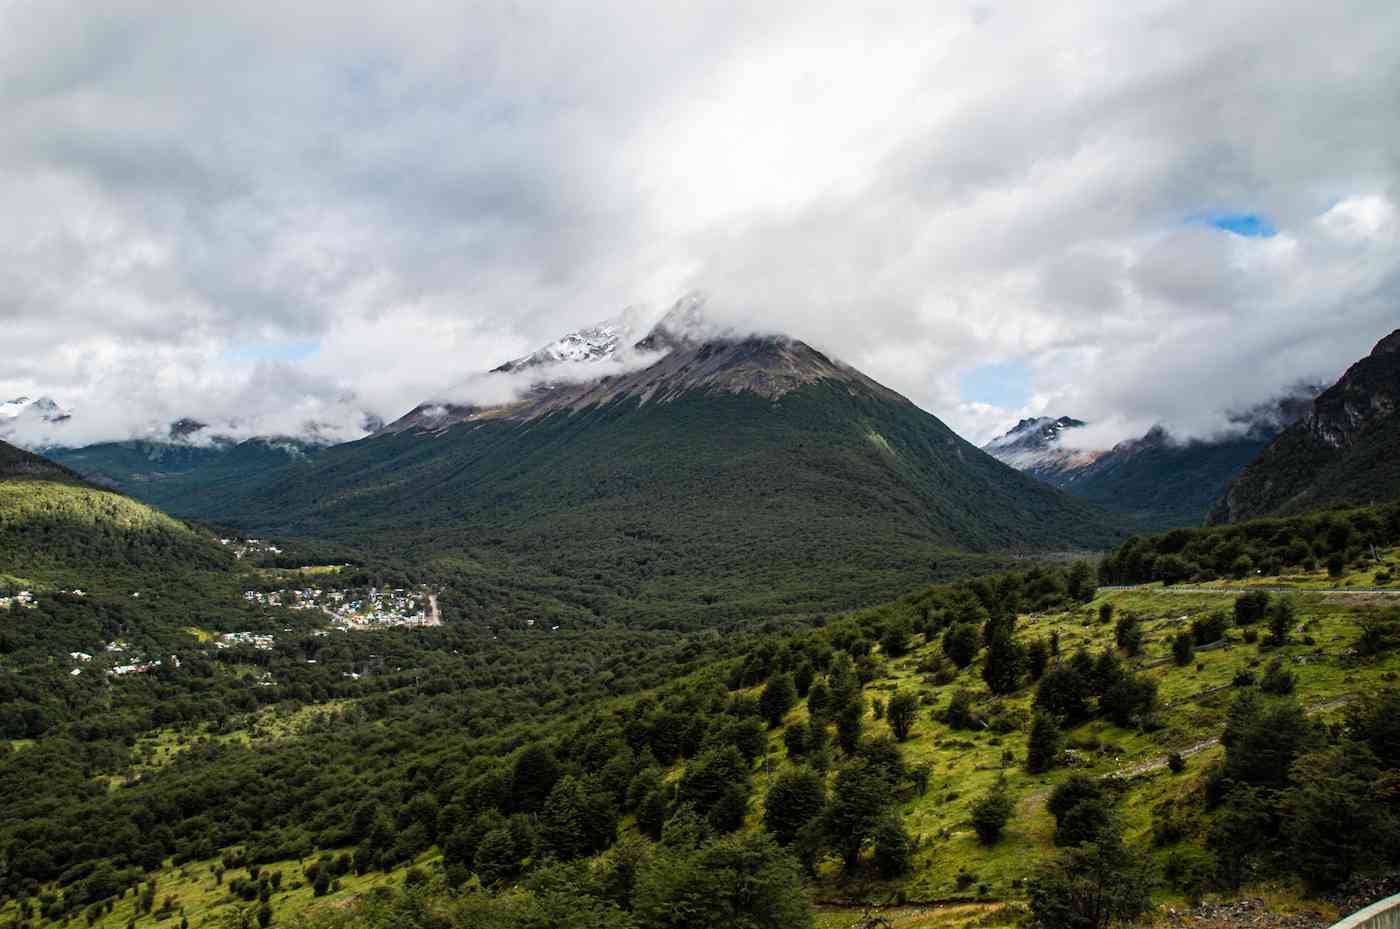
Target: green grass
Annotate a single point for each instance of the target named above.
(204, 900)
(965, 765)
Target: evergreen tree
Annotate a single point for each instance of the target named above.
(1004, 664)
(802, 678)
(744, 881)
(1183, 648)
(1282, 617)
(1043, 744)
(779, 695)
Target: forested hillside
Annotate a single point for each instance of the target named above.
(705, 508)
(1346, 451)
(987, 741)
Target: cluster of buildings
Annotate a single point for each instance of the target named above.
(22, 600)
(243, 547)
(371, 609)
(259, 640)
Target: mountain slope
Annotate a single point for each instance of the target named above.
(731, 476)
(144, 465)
(1347, 450)
(1156, 481)
(59, 530)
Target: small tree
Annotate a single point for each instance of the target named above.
(1082, 582)
(959, 714)
(795, 799)
(1183, 648)
(991, 813)
(1128, 634)
(894, 852)
(1282, 616)
(1043, 744)
(1005, 662)
(894, 641)
(779, 695)
(961, 643)
(850, 725)
(1251, 607)
(1037, 658)
(1081, 810)
(802, 678)
(901, 712)
(1090, 887)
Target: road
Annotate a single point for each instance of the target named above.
(1326, 591)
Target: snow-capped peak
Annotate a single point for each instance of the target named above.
(1034, 433)
(593, 343)
(12, 408)
(44, 408)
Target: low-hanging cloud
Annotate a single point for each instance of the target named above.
(420, 192)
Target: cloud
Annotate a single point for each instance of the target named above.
(424, 190)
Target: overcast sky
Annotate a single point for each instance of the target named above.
(1131, 212)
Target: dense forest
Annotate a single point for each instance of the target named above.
(1336, 539)
(539, 769)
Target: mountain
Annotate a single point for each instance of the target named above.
(1157, 481)
(1033, 446)
(1346, 450)
(42, 416)
(61, 530)
(713, 474)
(16, 464)
(138, 465)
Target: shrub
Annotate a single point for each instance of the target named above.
(991, 813)
(1043, 744)
(1128, 634)
(795, 799)
(1210, 628)
(894, 852)
(1278, 679)
(1282, 616)
(961, 643)
(1090, 887)
(1081, 810)
(902, 710)
(1251, 607)
(959, 714)
(1183, 648)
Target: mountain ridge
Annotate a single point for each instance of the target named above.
(744, 473)
(1345, 451)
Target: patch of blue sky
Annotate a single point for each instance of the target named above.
(1249, 225)
(1006, 384)
(287, 350)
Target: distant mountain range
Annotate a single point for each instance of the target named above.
(1346, 450)
(700, 473)
(1156, 480)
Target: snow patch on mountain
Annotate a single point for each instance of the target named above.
(1037, 445)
